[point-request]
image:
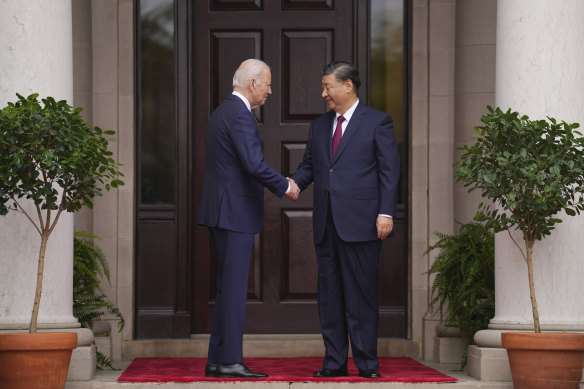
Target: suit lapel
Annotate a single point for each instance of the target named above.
(326, 134)
(350, 131)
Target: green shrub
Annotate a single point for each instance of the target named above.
(52, 157)
(89, 300)
(530, 172)
(464, 283)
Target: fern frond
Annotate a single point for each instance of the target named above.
(463, 288)
(89, 300)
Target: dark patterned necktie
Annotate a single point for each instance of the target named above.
(338, 134)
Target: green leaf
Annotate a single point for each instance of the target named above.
(531, 168)
(45, 144)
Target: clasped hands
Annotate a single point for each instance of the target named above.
(294, 190)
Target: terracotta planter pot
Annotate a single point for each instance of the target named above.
(545, 360)
(35, 361)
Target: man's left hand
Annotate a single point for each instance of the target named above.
(384, 226)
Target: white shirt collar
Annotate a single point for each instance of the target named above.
(347, 115)
(242, 97)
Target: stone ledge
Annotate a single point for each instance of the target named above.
(257, 346)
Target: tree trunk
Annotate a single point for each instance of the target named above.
(529, 261)
(39, 284)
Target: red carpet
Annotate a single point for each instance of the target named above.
(392, 369)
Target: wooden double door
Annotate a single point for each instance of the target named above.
(296, 38)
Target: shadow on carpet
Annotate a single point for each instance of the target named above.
(392, 369)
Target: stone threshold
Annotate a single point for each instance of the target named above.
(259, 345)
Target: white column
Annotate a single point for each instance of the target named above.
(35, 57)
(538, 73)
(540, 53)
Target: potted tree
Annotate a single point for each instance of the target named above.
(531, 170)
(50, 157)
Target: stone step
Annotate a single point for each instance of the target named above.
(264, 345)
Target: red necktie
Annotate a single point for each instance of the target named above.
(338, 134)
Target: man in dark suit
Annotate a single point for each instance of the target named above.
(232, 206)
(352, 158)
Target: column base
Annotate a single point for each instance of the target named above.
(488, 364)
(83, 364)
(487, 360)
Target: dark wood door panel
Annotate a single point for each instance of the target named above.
(236, 5)
(227, 48)
(303, 52)
(282, 318)
(156, 306)
(299, 278)
(392, 281)
(307, 4)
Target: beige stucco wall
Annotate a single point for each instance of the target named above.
(432, 144)
(452, 79)
(104, 86)
(474, 84)
(418, 166)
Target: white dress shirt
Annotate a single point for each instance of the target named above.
(242, 97)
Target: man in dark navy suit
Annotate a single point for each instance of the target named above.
(352, 158)
(232, 207)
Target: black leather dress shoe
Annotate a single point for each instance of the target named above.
(238, 370)
(369, 374)
(210, 369)
(326, 373)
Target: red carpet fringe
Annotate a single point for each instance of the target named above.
(392, 369)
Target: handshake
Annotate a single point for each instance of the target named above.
(294, 190)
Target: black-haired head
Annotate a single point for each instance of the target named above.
(343, 71)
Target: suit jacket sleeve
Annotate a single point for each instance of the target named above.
(388, 166)
(304, 173)
(247, 144)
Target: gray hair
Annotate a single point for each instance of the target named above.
(250, 68)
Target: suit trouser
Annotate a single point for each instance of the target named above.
(232, 253)
(347, 298)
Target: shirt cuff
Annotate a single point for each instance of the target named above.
(382, 214)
